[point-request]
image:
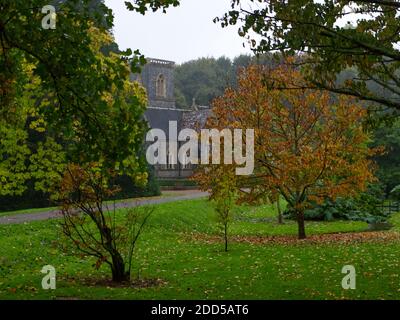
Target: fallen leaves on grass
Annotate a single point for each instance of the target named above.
(107, 283)
(333, 238)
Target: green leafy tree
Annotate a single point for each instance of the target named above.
(205, 79)
(142, 6)
(14, 152)
(65, 95)
(317, 32)
(221, 181)
(118, 116)
(388, 163)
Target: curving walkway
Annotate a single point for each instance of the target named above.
(54, 214)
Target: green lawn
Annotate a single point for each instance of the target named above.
(196, 269)
(165, 194)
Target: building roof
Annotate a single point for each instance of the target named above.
(165, 63)
(196, 118)
(159, 118)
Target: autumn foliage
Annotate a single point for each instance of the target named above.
(309, 145)
(93, 226)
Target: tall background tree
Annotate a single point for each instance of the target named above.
(389, 162)
(205, 79)
(330, 37)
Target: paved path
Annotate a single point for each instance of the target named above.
(54, 214)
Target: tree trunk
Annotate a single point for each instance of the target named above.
(301, 224)
(118, 269)
(118, 265)
(280, 216)
(226, 237)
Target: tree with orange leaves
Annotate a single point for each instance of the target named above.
(309, 145)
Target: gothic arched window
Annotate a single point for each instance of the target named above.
(161, 86)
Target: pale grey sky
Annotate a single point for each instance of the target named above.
(183, 33)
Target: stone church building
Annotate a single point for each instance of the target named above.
(158, 78)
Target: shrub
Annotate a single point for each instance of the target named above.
(366, 207)
(93, 228)
(37, 199)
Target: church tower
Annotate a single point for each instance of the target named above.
(158, 78)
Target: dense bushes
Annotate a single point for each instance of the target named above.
(388, 135)
(366, 207)
(177, 183)
(29, 199)
(36, 199)
(130, 190)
